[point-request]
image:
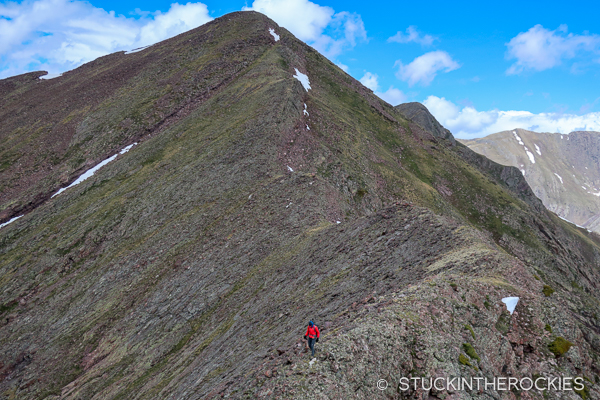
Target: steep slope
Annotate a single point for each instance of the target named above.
(562, 170)
(188, 267)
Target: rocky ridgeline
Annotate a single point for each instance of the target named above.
(268, 188)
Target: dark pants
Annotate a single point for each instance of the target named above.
(311, 344)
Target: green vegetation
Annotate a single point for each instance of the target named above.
(8, 306)
(464, 360)
(547, 290)
(486, 302)
(468, 348)
(470, 329)
(559, 346)
(503, 323)
(548, 328)
(583, 393)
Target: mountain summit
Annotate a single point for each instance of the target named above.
(247, 186)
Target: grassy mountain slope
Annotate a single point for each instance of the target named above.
(565, 173)
(189, 266)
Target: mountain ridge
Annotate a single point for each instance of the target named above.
(188, 267)
(565, 176)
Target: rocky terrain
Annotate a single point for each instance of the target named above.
(562, 170)
(266, 187)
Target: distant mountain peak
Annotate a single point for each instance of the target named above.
(562, 169)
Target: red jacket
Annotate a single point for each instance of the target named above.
(312, 332)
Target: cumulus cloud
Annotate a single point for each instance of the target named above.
(539, 49)
(303, 18)
(58, 35)
(343, 67)
(424, 69)
(329, 32)
(178, 19)
(370, 80)
(469, 123)
(393, 96)
(412, 35)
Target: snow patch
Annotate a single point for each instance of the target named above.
(272, 32)
(9, 221)
(338, 222)
(537, 150)
(522, 171)
(290, 168)
(518, 138)
(305, 112)
(303, 78)
(571, 222)
(50, 76)
(596, 194)
(90, 172)
(559, 177)
(511, 303)
(126, 149)
(136, 50)
(530, 155)
(307, 128)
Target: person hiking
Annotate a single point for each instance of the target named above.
(312, 335)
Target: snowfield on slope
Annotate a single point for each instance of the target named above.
(136, 50)
(90, 172)
(303, 78)
(8, 222)
(275, 36)
(559, 177)
(511, 303)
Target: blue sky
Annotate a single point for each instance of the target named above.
(480, 68)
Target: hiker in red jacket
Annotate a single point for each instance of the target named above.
(312, 334)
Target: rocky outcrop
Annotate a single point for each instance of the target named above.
(419, 114)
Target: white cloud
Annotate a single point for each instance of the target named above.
(58, 35)
(539, 48)
(178, 19)
(412, 35)
(392, 95)
(469, 123)
(370, 80)
(424, 68)
(321, 27)
(343, 67)
(303, 18)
